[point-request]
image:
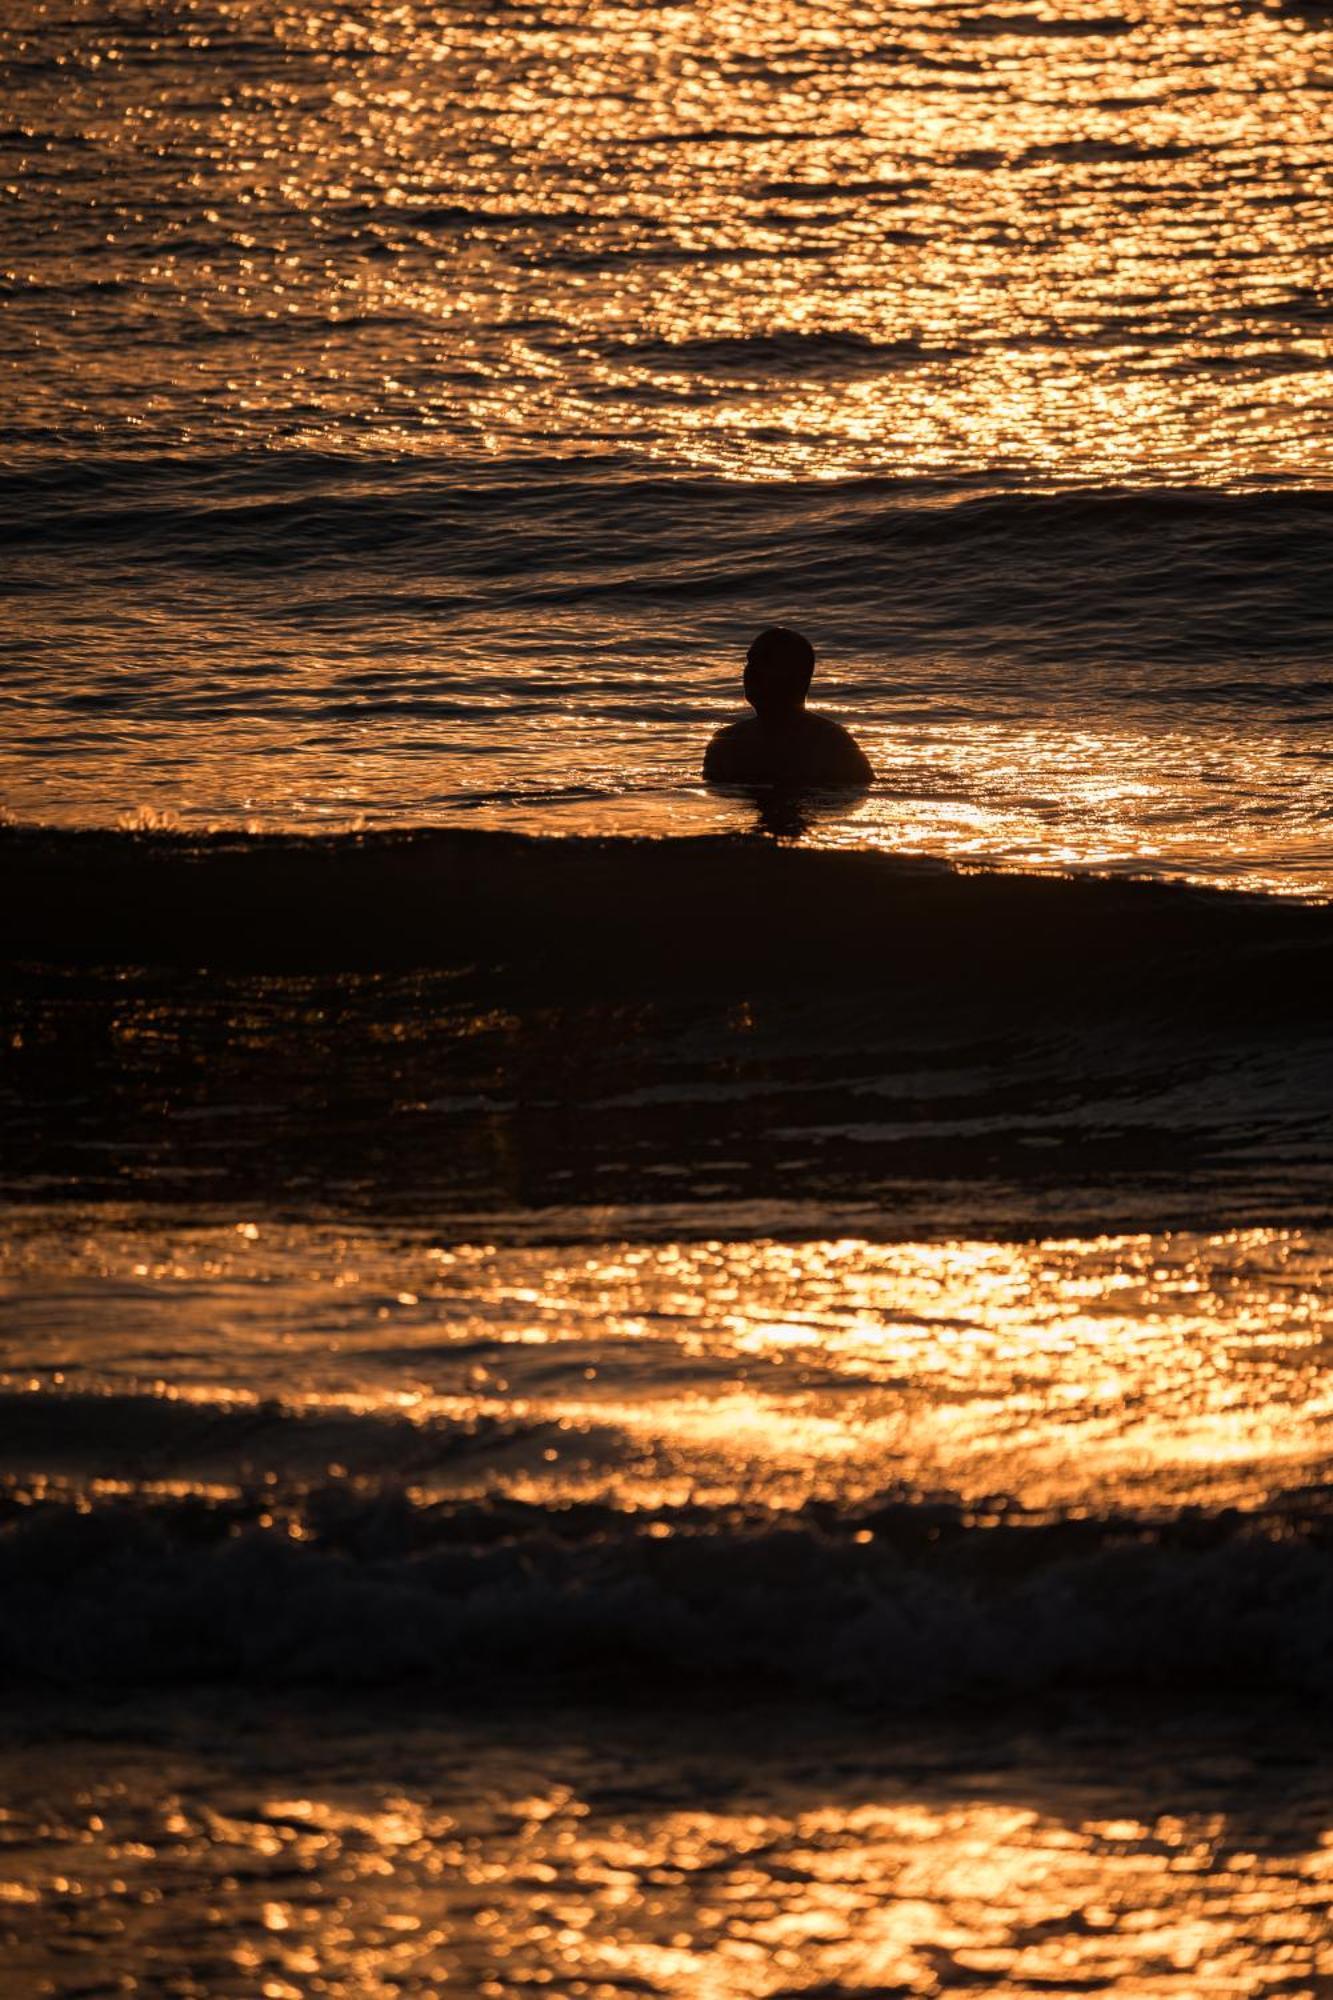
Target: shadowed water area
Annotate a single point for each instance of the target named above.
(609, 1387)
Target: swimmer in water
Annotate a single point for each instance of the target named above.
(783, 744)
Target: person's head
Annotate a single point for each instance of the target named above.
(778, 670)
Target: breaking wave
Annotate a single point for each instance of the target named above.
(905, 1602)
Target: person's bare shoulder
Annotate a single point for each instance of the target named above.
(841, 759)
(815, 751)
(729, 758)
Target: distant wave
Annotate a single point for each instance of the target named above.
(909, 1601)
(833, 351)
(224, 495)
(1028, 579)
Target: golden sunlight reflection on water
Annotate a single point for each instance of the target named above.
(1214, 804)
(771, 1857)
(332, 250)
(1138, 1371)
(1220, 801)
(1085, 243)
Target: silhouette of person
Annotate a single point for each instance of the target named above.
(783, 743)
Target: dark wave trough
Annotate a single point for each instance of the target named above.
(673, 911)
(905, 1602)
(479, 1019)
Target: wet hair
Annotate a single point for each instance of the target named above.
(778, 670)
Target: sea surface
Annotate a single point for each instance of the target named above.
(413, 411)
(607, 1387)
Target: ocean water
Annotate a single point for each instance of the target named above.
(605, 1386)
(723, 1854)
(413, 412)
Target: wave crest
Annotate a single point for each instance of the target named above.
(488, 1597)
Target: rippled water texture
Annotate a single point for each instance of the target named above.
(895, 1473)
(1121, 1372)
(750, 238)
(770, 1856)
(412, 412)
(665, 1417)
(550, 1478)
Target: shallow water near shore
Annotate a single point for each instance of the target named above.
(898, 1471)
(883, 1391)
(298, 1847)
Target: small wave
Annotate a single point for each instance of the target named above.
(1031, 584)
(1297, 695)
(782, 352)
(911, 1602)
(456, 215)
(1113, 512)
(115, 1433)
(295, 508)
(661, 910)
(1097, 152)
(1092, 26)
